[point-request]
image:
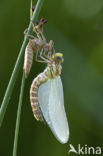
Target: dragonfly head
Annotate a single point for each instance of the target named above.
(57, 58)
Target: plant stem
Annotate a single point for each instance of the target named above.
(18, 63)
(18, 116)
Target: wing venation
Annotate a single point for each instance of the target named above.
(51, 102)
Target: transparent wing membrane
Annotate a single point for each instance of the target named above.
(51, 102)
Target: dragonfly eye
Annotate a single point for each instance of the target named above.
(58, 58)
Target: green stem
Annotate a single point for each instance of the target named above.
(18, 115)
(18, 63)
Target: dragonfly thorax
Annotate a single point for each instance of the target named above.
(53, 70)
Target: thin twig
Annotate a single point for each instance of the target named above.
(18, 63)
(18, 116)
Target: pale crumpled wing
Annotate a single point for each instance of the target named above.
(51, 102)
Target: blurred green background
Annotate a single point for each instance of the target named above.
(76, 26)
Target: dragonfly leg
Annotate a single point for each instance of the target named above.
(48, 50)
(41, 56)
(46, 60)
(43, 37)
(38, 33)
(41, 61)
(25, 33)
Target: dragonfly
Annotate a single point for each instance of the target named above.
(46, 92)
(46, 97)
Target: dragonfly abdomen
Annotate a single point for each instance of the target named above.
(41, 78)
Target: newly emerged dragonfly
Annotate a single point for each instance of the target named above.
(46, 96)
(46, 92)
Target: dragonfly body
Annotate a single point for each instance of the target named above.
(46, 92)
(47, 100)
(50, 72)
